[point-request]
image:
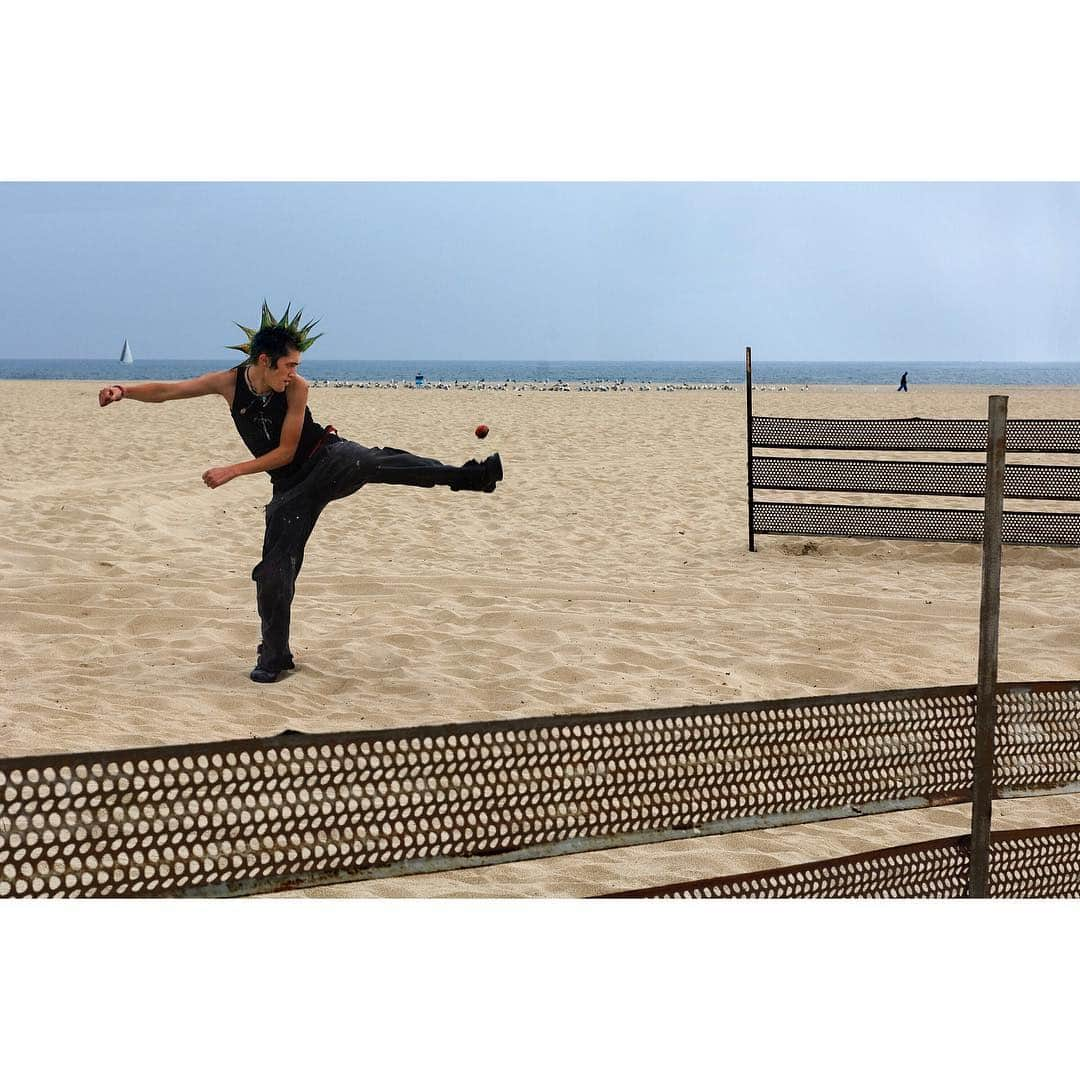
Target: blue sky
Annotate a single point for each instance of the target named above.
(540, 272)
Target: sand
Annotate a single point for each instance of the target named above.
(609, 571)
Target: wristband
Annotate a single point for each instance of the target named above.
(117, 386)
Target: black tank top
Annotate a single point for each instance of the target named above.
(259, 420)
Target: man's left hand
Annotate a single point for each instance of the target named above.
(213, 478)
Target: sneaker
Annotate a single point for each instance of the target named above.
(264, 675)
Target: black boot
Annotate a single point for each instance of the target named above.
(479, 475)
(269, 674)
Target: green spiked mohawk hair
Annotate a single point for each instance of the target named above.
(299, 336)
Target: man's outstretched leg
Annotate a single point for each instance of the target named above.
(348, 466)
(287, 530)
(392, 466)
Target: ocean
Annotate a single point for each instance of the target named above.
(976, 373)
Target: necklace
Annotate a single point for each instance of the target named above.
(260, 399)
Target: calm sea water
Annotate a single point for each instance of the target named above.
(870, 373)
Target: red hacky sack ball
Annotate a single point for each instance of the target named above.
(482, 431)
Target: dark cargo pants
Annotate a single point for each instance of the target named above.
(338, 470)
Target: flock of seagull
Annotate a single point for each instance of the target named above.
(595, 386)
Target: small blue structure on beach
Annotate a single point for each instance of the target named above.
(419, 380)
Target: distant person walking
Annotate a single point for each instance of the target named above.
(903, 383)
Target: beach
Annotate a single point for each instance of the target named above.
(609, 571)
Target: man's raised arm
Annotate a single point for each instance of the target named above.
(214, 382)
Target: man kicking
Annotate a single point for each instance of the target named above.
(309, 465)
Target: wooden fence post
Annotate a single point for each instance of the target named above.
(989, 609)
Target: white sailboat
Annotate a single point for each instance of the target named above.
(125, 354)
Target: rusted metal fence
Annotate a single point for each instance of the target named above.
(882, 477)
(1023, 864)
(298, 810)
(1029, 863)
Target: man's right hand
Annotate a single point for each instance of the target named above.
(109, 394)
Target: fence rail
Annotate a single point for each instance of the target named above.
(1023, 864)
(297, 810)
(955, 478)
(912, 523)
(911, 433)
